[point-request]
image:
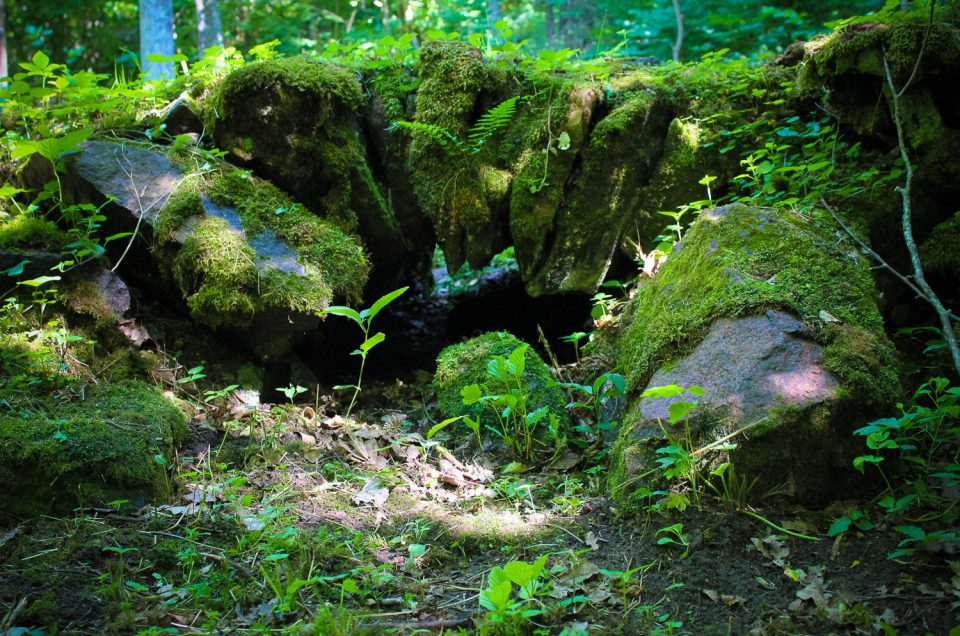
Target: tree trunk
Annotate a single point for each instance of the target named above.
(3, 40)
(493, 16)
(156, 37)
(550, 24)
(678, 43)
(575, 24)
(209, 26)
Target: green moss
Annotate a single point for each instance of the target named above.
(26, 231)
(181, 205)
(220, 274)
(464, 364)
(452, 189)
(742, 260)
(299, 119)
(941, 251)
(114, 444)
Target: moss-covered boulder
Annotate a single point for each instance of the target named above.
(848, 70)
(239, 252)
(296, 122)
(464, 194)
(116, 444)
(779, 324)
(601, 196)
(464, 364)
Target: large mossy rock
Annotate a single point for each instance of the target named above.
(296, 122)
(463, 364)
(847, 70)
(117, 444)
(780, 326)
(239, 252)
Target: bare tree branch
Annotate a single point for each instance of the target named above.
(907, 226)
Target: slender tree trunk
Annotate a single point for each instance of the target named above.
(385, 16)
(550, 21)
(156, 37)
(493, 16)
(678, 44)
(3, 40)
(209, 26)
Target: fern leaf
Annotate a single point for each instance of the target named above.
(441, 135)
(490, 122)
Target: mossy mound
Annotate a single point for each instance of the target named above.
(603, 194)
(738, 261)
(463, 364)
(295, 121)
(464, 196)
(115, 444)
(247, 250)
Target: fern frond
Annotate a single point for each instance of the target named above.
(490, 122)
(453, 146)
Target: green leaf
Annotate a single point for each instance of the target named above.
(670, 390)
(40, 60)
(436, 428)
(349, 586)
(17, 269)
(839, 526)
(383, 301)
(372, 341)
(471, 394)
(679, 410)
(496, 597)
(36, 282)
(346, 312)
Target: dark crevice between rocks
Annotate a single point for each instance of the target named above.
(422, 322)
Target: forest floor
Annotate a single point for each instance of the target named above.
(319, 525)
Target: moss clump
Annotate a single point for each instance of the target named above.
(225, 279)
(465, 204)
(26, 231)
(298, 118)
(464, 364)
(114, 444)
(941, 251)
(738, 260)
(337, 256)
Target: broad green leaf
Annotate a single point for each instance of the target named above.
(36, 282)
(670, 390)
(349, 586)
(471, 394)
(372, 341)
(40, 60)
(347, 312)
(839, 526)
(383, 301)
(495, 597)
(17, 269)
(679, 410)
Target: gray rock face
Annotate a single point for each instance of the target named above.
(141, 181)
(746, 367)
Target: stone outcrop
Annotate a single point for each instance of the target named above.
(780, 328)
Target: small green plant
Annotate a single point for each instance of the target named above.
(488, 124)
(506, 396)
(508, 609)
(734, 489)
(607, 386)
(678, 459)
(291, 391)
(364, 320)
(674, 535)
(623, 579)
(574, 339)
